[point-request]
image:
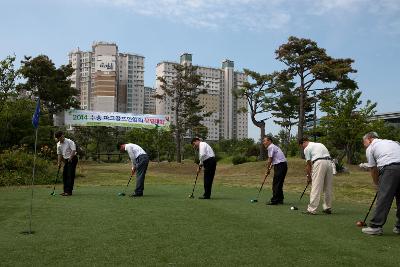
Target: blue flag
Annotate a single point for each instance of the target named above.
(36, 115)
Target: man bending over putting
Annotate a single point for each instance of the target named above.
(207, 159)
(319, 174)
(140, 161)
(66, 151)
(384, 162)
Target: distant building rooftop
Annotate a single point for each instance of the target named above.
(392, 118)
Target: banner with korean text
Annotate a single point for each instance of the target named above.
(75, 117)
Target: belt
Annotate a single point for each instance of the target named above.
(210, 158)
(325, 158)
(394, 163)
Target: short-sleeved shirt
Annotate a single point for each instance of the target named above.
(205, 152)
(315, 151)
(65, 148)
(382, 152)
(276, 154)
(134, 151)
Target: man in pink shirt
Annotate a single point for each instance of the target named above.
(277, 159)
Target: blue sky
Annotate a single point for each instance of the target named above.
(245, 31)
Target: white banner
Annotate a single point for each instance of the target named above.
(76, 117)
(105, 63)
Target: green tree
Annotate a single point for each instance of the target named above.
(310, 66)
(52, 85)
(285, 110)
(346, 121)
(183, 93)
(16, 125)
(8, 77)
(259, 95)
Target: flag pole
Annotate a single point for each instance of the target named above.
(33, 183)
(35, 123)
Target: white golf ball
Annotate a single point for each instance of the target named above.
(292, 208)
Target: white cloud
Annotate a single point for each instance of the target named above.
(256, 15)
(213, 14)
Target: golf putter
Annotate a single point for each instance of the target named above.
(301, 196)
(362, 223)
(55, 182)
(121, 194)
(195, 181)
(259, 191)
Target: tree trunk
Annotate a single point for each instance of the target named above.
(300, 128)
(177, 137)
(349, 154)
(263, 154)
(178, 147)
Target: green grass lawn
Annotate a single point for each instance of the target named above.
(165, 228)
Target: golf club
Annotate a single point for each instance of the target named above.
(55, 181)
(121, 194)
(362, 223)
(195, 181)
(256, 199)
(302, 194)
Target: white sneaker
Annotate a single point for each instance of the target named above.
(396, 230)
(372, 231)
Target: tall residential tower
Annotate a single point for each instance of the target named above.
(226, 121)
(108, 80)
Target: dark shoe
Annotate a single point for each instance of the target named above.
(203, 197)
(65, 194)
(135, 195)
(308, 213)
(327, 211)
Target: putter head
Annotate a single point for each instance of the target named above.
(52, 194)
(191, 196)
(254, 200)
(121, 194)
(293, 208)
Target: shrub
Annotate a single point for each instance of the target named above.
(239, 159)
(16, 169)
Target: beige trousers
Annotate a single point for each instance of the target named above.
(322, 181)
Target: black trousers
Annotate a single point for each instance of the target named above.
(141, 167)
(69, 174)
(280, 171)
(388, 189)
(210, 165)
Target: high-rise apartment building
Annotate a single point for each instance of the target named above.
(108, 80)
(149, 100)
(226, 121)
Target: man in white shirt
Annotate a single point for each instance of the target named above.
(207, 159)
(140, 162)
(319, 174)
(66, 151)
(384, 162)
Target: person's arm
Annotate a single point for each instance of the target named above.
(374, 174)
(269, 165)
(308, 171)
(73, 148)
(202, 153)
(59, 159)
